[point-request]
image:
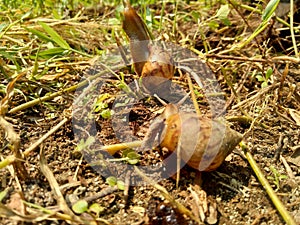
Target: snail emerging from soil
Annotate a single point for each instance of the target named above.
(203, 143)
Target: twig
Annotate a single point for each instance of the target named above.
(283, 77)
(14, 140)
(106, 191)
(112, 149)
(246, 120)
(52, 96)
(194, 99)
(11, 159)
(275, 59)
(11, 135)
(285, 58)
(127, 186)
(292, 28)
(287, 167)
(44, 137)
(276, 201)
(279, 147)
(256, 96)
(165, 193)
(56, 190)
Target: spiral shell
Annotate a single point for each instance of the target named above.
(158, 70)
(204, 143)
(153, 63)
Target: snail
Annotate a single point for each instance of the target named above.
(151, 62)
(203, 143)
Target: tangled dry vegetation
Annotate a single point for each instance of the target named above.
(45, 53)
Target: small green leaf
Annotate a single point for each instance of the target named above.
(282, 177)
(213, 24)
(3, 194)
(260, 78)
(113, 21)
(2, 26)
(223, 12)
(269, 73)
(90, 140)
(133, 158)
(264, 84)
(26, 15)
(121, 185)
(96, 209)
(226, 22)
(55, 36)
(83, 144)
(112, 181)
(196, 15)
(99, 104)
(126, 152)
(133, 161)
(80, 146)
(80, 207)
(106, 113)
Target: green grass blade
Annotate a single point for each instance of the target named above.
(11, 57)
(39, 34)
(266, 16)
(52, 52)
(269, 10)
(55, 36)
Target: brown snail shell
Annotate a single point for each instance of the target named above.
(152, 63)
(158, 70)
(204, 143)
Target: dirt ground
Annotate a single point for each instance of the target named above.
(269, 119)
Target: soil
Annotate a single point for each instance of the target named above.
(230, 195)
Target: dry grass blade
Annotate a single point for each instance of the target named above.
(292, 29)
(56, 190)
(196, 106)
(9, 93)
(47, 135)
(14, 140)
(11, 135)
(112, 149)
(59, 93)
(53, 183)
(12, 159)
(276, 201)
(14, 216)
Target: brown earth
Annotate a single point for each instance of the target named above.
(232, 193)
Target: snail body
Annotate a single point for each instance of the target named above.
(203, 143)
(151, 62)
(139, 39)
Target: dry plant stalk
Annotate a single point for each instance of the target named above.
(203, 143)
(12, 137)
(151, 62)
